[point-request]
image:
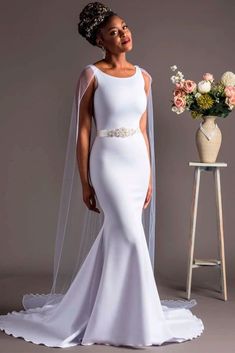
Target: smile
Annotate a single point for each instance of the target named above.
(126, 41)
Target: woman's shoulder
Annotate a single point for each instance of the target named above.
(86, 77)
(145, 73)
(87, 72)
(87, 68)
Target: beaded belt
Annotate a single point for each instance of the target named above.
(118, 132)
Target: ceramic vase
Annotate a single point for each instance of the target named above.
(208, 139)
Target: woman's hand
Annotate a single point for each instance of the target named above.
(89, 198)
(149, 194)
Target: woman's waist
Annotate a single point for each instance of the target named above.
(122, 131)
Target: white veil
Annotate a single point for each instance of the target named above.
(77, 226)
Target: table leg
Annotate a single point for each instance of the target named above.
(220, 232)
(193, 220)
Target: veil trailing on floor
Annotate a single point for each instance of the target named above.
(77, 226)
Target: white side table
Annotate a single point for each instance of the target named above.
(195, 263)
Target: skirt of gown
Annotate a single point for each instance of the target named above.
(113, 299)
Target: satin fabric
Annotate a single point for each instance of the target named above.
(113, 298)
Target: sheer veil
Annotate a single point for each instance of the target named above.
(77, 226)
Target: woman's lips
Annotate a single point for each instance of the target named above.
(126, 41)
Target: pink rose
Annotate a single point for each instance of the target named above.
(229, 91)
(179, 84)
(179, 101)
(208, 77)
(232, 100)
(189, 86)
(179, 92)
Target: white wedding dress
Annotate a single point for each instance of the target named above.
(113, 299)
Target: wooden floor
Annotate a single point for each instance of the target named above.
(218, 316)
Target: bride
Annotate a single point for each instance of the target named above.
(103, 289)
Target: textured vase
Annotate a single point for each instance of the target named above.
(208, 139)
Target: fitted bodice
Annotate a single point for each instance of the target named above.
(119, 101)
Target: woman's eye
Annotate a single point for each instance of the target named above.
(113, 32)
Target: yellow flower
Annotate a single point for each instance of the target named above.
(217, 89)
(195, 115)
(205, 101)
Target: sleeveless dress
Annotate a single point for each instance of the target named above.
(113, 299)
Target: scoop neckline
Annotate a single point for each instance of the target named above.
(136, 69)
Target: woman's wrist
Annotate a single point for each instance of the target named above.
(85, 183)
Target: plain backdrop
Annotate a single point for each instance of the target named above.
(41, 58)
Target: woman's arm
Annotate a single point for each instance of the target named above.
(83, 145)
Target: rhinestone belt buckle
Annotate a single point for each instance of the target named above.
(121, 132)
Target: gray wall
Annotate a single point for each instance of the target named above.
(41, 58)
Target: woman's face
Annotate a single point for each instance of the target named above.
(115, 36)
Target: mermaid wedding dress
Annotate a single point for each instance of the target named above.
(113, 299)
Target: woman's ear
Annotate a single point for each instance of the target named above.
(99, 39)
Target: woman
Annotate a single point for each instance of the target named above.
(113, 298)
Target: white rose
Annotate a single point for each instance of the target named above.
(204, 86)
(228, 78)
(177, 110)
(180, 110)
(174, 108)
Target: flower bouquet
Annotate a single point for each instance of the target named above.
(207, 100)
